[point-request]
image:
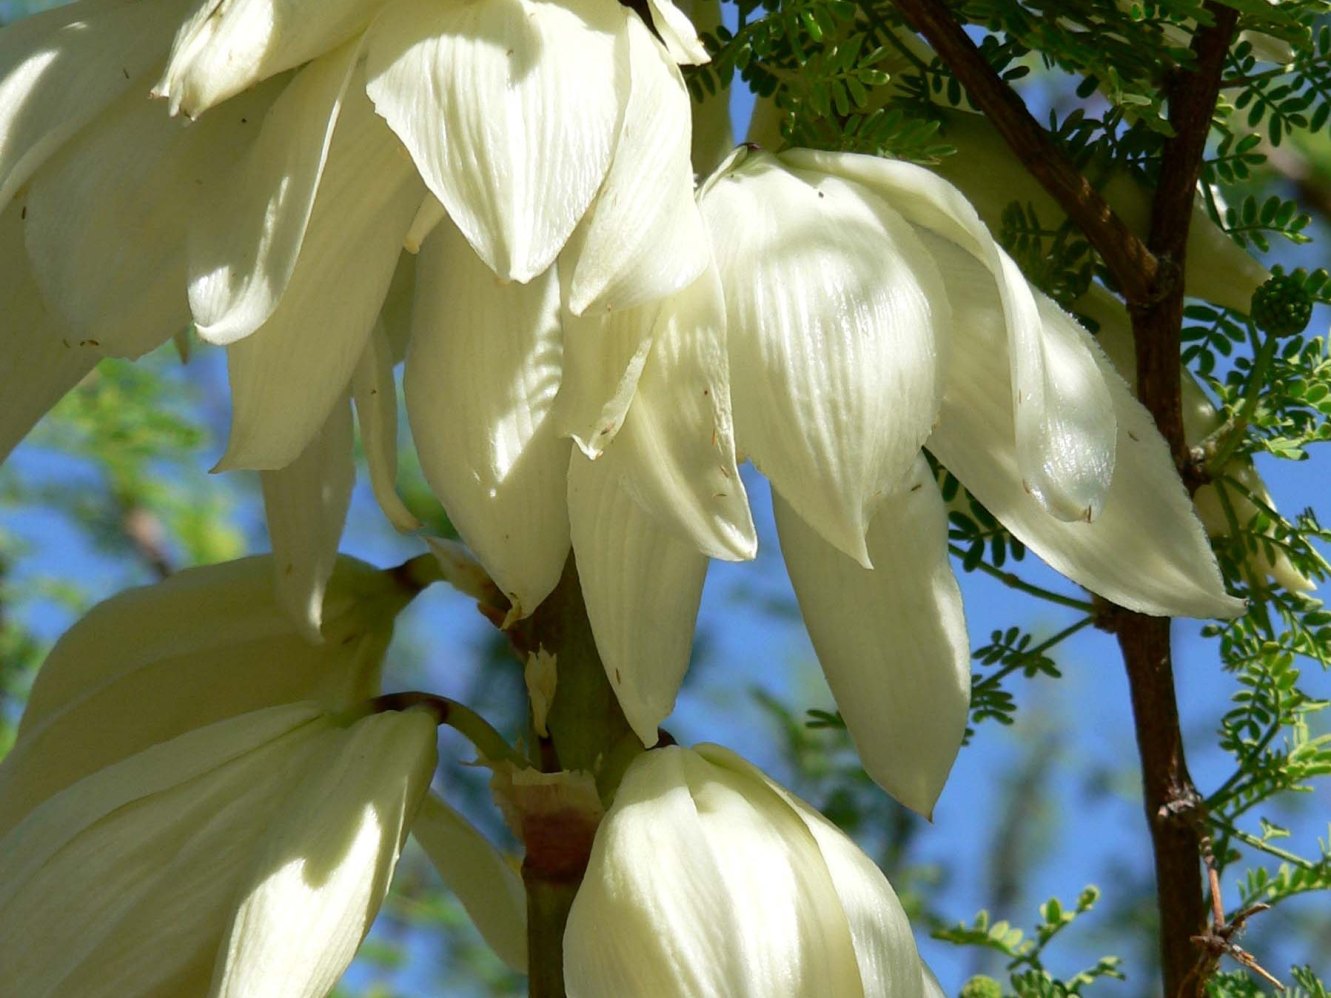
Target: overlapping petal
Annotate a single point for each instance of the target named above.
(705, 878)
(229, 45)
(834, 310)
(322, 869)
(305, 505)
(1146, 551)
(675, 453)
(287, 376)
(892, 641)
(107, 217)
(244, 243)
(482, 372)
(643, 237)
(61, 68)
(530, 97)
(1064, 420)
(642, 586)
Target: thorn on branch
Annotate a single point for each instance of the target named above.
(1218, 939)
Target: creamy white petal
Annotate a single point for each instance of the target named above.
(635, 927)
(375, 394)
(642, 588)
(794, 938)
(834, 308)
(306, 506)
(703, 881)
(1064, 419)
(243, 246)
(677, 33)
(120, 899)
(675, 454)
(43, 360)
(108, 216)
(604, 355)
(396, 313)
(889, 964)
(643, 237)
(61, 68)
(286, 377)
(209, 643)
(486, 883)
(1147, 550)
(510, 109)
(892, 641)
(481, 376)
(322, 869)
(229, 45)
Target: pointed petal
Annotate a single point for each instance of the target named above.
(481, 377)
(1064, 419)
(531, 120)
(486, 883)
(107, 217)
(833, 308)
(884, 946)
(243, 245)
(42, 359)
(322, 870)
(375, 394)
(1146, 551)
(306, 507)
(892, 641)
(677, 33)
(604, 355)
(675, 454)
(288, 375)
(643, 237)
(229, 45)
(642, 588)
(61, 68)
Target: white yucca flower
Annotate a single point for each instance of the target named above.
(244, 858)
(707, 878)
(862, 312)
(823, 315)
(142, 677)
(328, 135)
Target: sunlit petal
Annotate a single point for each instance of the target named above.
(510, 109)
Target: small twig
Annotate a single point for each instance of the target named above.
(1218, 938)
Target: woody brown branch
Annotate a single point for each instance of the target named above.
(1150, 275)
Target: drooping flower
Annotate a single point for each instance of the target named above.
(241, 858)
(208, 671)
(867, 314)
(707, 878)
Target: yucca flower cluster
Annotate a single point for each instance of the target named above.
(498, 195)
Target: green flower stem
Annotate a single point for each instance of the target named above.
(1232, 433)
(420, 572)
(492, 746)
(587, 731)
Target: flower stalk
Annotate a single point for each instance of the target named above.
(587, 733)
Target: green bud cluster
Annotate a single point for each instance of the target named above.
(1281, 307)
